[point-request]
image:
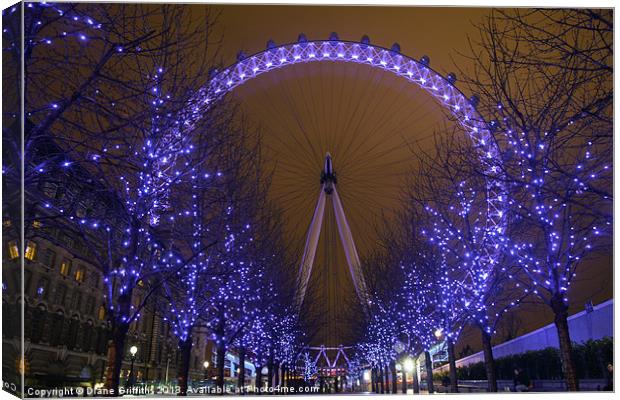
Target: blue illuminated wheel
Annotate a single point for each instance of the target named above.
(367, 105)
(417, 72)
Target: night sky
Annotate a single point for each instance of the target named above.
(369, 120)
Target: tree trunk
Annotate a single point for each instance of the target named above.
(373, 380)
(414, 376)
(185, 348)
(259, 378)
(289, 377)
(221, 359)
(276, 374)
(394, 377)
(454, 383)
(381, 383)
(489, 361)
(283, 375)
(404, 382)
(428, 362)
(386, 375)
(270, 369)
(241, 376)
(116, 351)
(560, 310)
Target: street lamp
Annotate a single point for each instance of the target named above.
(206, 365)
(408, 364)
(438, 333)
(366, 376)
(132, 350)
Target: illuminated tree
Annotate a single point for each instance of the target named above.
(255, 341)
(184, 298)
(418, 297)
(257, 337)
(272, 324)
(109, 90)
(381, 335)
(459, 221)
(545, 83)
(309, 368)
(245, 307)
(231, 273)
(223, 245)
(269, 331)
(438, 305)
(428, 299)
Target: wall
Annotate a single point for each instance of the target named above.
(583, 326)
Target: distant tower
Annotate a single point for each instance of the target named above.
(328, 188)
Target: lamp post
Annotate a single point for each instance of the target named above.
(132, 350)
(167, 366)
(430, 363)
(206, 365)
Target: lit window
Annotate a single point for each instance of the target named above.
(65, 267)
(101, 313)
(6, 223)
(13, 249)
(79, 274)
(31, 250)
(36, 224)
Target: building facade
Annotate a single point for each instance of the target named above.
(66, 332)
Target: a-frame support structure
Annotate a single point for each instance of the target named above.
(328, 189)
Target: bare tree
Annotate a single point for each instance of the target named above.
(461, 223)
(184, 298)
(545, 81)
(109, 89)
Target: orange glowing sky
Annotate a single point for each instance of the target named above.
(366, 118)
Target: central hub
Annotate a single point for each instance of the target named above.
(328, 176)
